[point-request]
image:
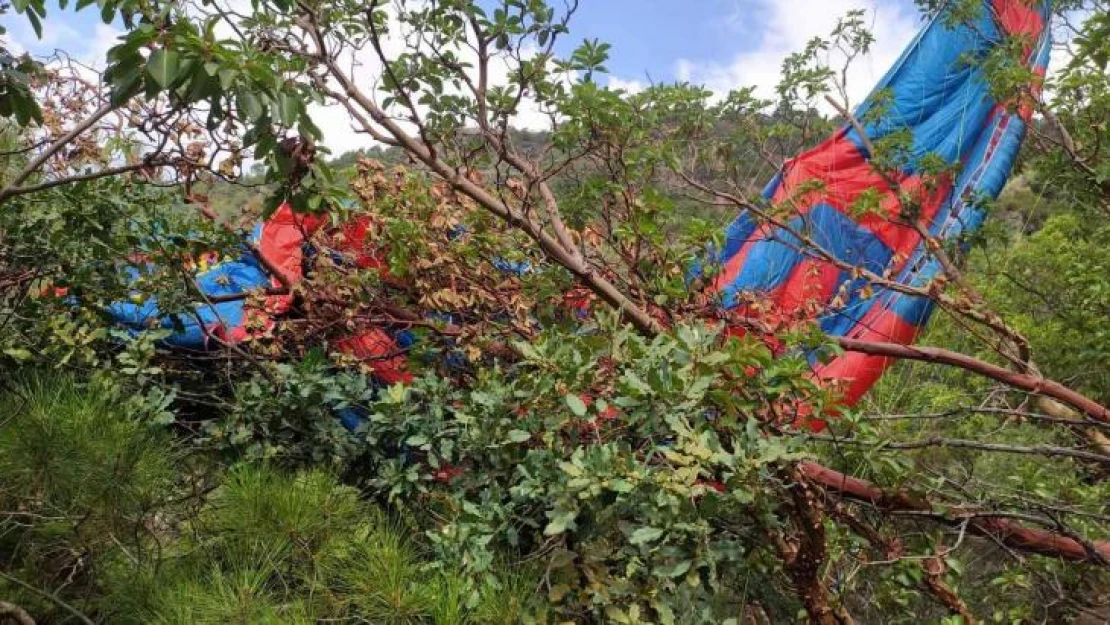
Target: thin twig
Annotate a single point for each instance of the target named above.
(49, 595)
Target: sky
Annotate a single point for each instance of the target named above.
(722, 44)
(725, 44)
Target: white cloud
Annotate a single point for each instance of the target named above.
(784, 27)
(104, 38)
(628, 86)
(60, 35)
(56, 35)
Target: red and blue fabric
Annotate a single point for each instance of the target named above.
(938, 93)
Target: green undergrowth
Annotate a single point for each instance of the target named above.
(107, 516)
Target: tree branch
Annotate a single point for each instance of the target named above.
(957, 443)
(549, 244)
(13, 191)
(1006, 531)
(53, 148)
(11, 611)
(1024, 381)
(49, 596)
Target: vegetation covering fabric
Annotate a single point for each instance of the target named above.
(845, 214)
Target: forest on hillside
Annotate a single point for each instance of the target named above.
(601, 372)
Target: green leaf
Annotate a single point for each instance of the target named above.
(18, 353)
(200, 86)
(126, 81)
(645, 535)
(519, 436)
(24, 109)
(250, 107)
(666, 615)
(227, 76)
(107, 12)
(571, 469)
(36, 24)
(617, 615)
(559, 523)
(577, 406)
(677, 569)
(163, 66)
(288, 107)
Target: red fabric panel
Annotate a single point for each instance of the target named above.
(804, 294)
(1019, 17)
(353, 242)
(838, 162)
(381, 352)
(282, 237)
(255, 323)
(859, 372)
(846, 175)
(900, 238)
(811, 284)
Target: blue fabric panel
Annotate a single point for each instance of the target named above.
(845, 239)
(738, 233)
(231, 278)
(914, 310)
(933, 90)
(405, 339)
(772, 186)
(1000, 166)
(515, 267)
(135, 314)
(351, 418)
(767, 265)
(770, 261)
(256, 233)
(190, 334)
(960, 130)
(953, 129)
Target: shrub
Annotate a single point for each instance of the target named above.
(82, 482)
(100, 515)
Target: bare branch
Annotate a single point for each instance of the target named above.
(10, 611)
(53, 148)
(995, 526)
(13, 191)
(956, 443)
(49, 596)
(1024, 381)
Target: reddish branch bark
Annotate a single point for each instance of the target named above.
(804, 552)
(934, 581)
(1006, 531)
(1033, 384)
